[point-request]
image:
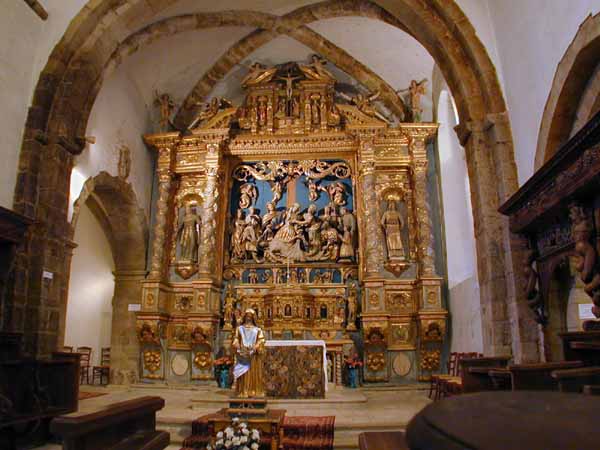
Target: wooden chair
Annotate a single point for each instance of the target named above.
(86, 356)
(452, 385)
(67, 349)
(451, 367)
(103, 370)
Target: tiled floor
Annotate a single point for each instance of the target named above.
(356, 410)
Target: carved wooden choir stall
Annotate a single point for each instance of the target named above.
(307, 206)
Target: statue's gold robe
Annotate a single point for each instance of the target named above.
(248, 370)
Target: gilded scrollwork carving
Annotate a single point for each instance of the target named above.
(430, 360)
(152, 362)
(148, 333)
(433, 330)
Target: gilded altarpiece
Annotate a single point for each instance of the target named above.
(313, 212)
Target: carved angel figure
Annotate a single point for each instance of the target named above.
(313, 191)
(189, 235)
(208, 110)
(258, 74)
(415, 90)
(165, 105)
(248, 195)
(364, 104)
(316, 69)
(336, 192)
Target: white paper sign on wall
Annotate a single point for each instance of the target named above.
(585, 311)
(47, 275)
(134, 307)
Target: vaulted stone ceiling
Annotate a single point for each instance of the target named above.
(174, 56)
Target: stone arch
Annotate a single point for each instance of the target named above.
(113, 203)
(576, 70)
(69, 83)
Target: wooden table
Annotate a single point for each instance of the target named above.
(522, 420)
(270, 425)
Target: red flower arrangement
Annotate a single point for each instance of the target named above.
(223, 363)
(354, 361)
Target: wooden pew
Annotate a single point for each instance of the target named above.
(538, 376)
(474, 372)
(32, 392)
(575, 380)
(121, 426)
(582, 346)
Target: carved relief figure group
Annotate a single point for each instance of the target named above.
(293, 234)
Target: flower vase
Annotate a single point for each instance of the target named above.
(224, 378)
(353, 377)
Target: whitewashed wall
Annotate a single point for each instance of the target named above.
(89, 307)
(119, 117)
(531, 37)
(463, 286)
(25, 44)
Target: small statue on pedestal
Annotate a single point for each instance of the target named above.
(248, 344)
(392, 225)
(189, 235)
(228, 315)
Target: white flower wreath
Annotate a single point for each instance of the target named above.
(236, 437)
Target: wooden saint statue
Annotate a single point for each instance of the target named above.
(415, 91)
(392, 225)
(248, 344)
(189, 235)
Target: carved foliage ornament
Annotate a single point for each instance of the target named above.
(203, 360)
(152, 360)
(430, 360)
(376, 361)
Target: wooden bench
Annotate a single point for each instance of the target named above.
(582, 346)
(32, 392)
(574, 380)
(382, 440)
(121, 426)
(538, 376)
(474, 372)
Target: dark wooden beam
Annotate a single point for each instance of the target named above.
(37, 8)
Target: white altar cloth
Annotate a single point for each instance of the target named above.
(294, 343)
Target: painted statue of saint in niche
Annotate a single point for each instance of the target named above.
(393, 225)
(189, 234)
(292, 211)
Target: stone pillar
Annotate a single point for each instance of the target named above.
(70, 246)
(371, 231)
(493, 137)
(159, 265)
(124, 352)
(207, 265)
(505, 329)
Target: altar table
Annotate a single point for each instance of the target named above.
(295, 369)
